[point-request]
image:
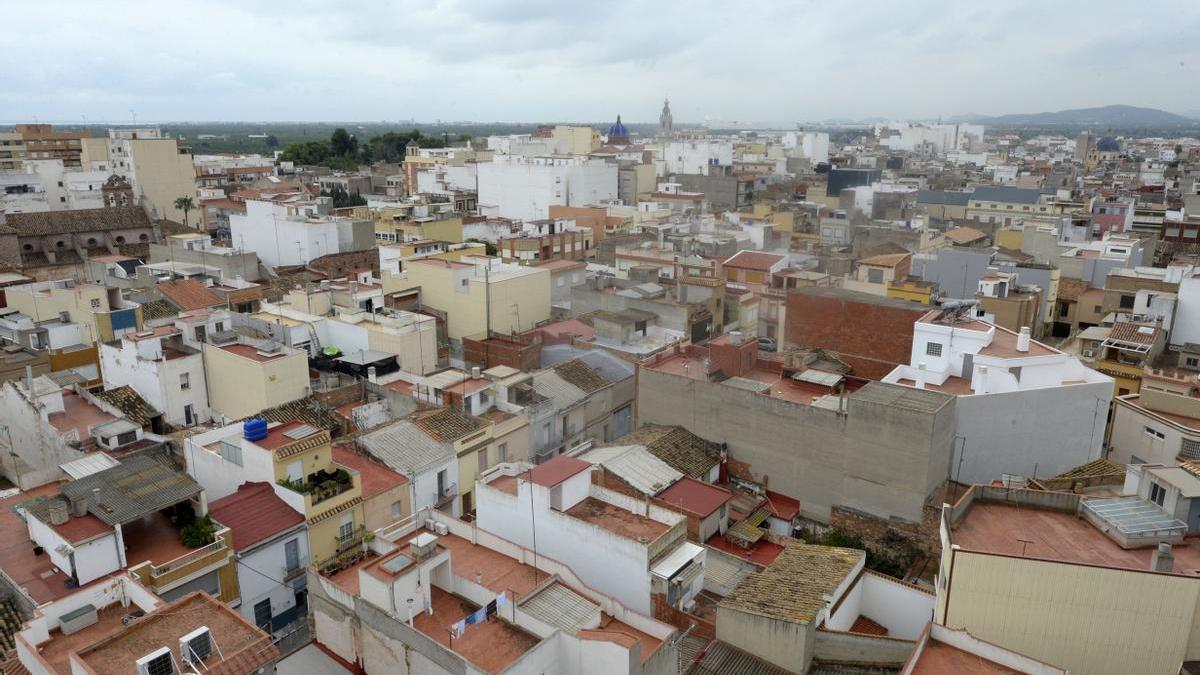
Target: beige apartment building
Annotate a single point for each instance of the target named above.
(476, 294)
(12, 151)
(159, 169)
(245, 378)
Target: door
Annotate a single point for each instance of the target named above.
(296, 471)
(188, 415)
(441, 483)
(201, 333)
(622, 421)
(262, 614)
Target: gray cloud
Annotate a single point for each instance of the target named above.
(769, 61)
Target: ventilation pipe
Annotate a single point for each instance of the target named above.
(1162, 560)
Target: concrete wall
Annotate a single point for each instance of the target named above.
(861, 650)
(871, 334)
(239, 387)
(883, 460)
(956, 271)
(785, 644)
(1046, 431)
(1131, 443)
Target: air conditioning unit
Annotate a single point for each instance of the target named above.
(157, 662)
(1088, 353)
(431, 524)
(196, 646)
(441, 528)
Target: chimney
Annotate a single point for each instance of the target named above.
(981, 384)
(79, 506)
(1023, 340)
(475, 373)
(921, 375)
(1162, 560)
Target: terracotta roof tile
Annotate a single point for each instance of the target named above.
(793, 588)
(254, 513)
(447, 424)
(130, 403)
(376, 478)
(77, 220)
(753, 260)
(581, 375)
(188, 294)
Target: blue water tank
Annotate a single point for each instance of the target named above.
(254, 429)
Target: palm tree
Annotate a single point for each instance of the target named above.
(185, 204)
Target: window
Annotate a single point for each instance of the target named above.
(185, 380)
(1158, 494)
(295, 471)
(1155, 433)
(1192, 362)
(397, 509)
(482, 456)
(933, 348)
(1127, 301)
(1064, 309)
(95, 303)
(232, 452)
(875, 276)
(502, 453)
(346, 530)
(291, 553)
(1096, 310)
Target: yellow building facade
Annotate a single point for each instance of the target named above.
(242, 381)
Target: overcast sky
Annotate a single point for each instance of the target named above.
(563, 60)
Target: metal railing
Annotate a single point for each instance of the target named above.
(447, 495)
(345, 543)
(187, 558)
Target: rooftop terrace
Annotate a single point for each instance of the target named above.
(617, 520)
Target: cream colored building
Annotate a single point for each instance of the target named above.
(1029, 571)
(245, 379)
(159, 169)
(12, 151)
(75, 312)
(476, 294)
(576, 140)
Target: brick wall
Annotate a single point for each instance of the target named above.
(664, 612)
(872, 335)
(523, 353)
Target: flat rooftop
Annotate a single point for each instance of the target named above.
(493, 645)
(251, 352)
(939, 658)
(776, 383)
(1022, 531)
(617, 520)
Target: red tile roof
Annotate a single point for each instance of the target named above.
(254, 514)
(557, 470)
(782, 506)
(188, 294)
(753, 260)
(694, 497)
(376, 478)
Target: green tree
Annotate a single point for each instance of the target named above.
(342, 143)
(309, 152)
(342, 199)
(488, 247)
(199, 532)
(185, 204)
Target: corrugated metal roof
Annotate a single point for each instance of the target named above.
(560, 606)
(88, 464)
(820, 377)
(142, 483)
(674, 561)
(724, 569)
(635, 465)
(404, 447)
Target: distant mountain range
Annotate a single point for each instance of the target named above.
(1109, 116)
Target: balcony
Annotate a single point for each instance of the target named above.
(447, 495)
(325, 489)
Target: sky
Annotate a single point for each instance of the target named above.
(766, 61)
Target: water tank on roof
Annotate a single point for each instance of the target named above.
(254, 430)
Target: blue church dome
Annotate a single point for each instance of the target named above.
(1108, 144)
(617, 130)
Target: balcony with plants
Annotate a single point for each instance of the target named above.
(326, 489)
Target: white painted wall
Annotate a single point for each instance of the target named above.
(219, 477)
(525, 187)
(158, 381)
(268, 560)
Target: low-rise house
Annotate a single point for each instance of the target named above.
(1161, 423)
(819, 603)
(1022, 407)
(246, 376)
(456, 595)
(590, 405)
(165, 371)
(387, 495)
(1058, 545)
(296, 460)
(618, 544)
(131, 515)
(270, 543)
